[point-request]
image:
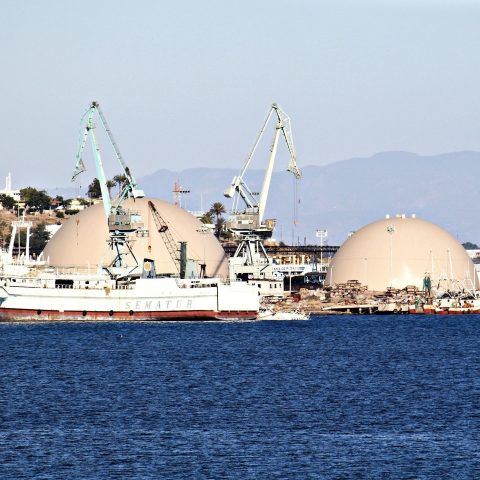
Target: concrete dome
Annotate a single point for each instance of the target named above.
(81, 241)
(398, 252)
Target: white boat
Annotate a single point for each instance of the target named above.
(267, 314)
(77, 297)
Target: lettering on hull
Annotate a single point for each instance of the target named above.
(159, 305)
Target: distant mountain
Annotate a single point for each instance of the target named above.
(343, 196)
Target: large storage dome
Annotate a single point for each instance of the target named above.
(82, 240)
(400, 251)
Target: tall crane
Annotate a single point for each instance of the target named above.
(251, 217)
(121, 222)
(163, 229)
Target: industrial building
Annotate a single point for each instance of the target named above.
(402, 251)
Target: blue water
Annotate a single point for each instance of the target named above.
(394, 397)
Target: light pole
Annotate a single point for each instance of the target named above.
(321, 234)
(366, 271)
(391, 231)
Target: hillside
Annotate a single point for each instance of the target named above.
(345, 195)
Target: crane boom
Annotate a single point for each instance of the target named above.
(131, 182)
(163, 229)
(238, 188)
(87, 127)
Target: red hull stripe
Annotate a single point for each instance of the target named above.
(16, 315)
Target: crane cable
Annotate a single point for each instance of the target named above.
(296, 201)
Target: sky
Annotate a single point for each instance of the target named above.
(187, 83)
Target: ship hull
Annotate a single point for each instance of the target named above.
(26, 315)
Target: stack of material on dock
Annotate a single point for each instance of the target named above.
(351, 286)
(412, 290)
(391, 292)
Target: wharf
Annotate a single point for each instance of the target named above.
(282, 250)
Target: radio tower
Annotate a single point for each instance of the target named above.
(178, 191)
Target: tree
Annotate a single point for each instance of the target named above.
(207, 218)
(470, 246)
(217, 209)
(35, 199)
(120, 180)
(7, 201)
(94, 190)
(110, 184)
(39, 238)
(4, 233)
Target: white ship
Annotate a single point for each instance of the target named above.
(122, 290)
(43, 295)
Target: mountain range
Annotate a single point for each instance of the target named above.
(345, 195)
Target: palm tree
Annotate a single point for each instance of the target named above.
(217, 209)
(206, 218)
(110, 184)
(120, 180)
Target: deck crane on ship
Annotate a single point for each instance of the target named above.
(122, 223)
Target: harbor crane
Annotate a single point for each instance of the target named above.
(121, 221)
(250, 219)
(251, 261)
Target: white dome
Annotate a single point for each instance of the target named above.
(400, 251)
(82, 240)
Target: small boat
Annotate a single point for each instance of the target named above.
(267, 314)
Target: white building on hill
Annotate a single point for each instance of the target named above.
(15, 194)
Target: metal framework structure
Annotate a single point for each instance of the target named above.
(325, 250)
(240, 190)
(121, 222)
(163, 229)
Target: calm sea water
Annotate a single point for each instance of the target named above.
(394, 397)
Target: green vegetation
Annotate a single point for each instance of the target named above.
(7, 201)
(207, 218)
(110, 184)
(470, 246)
(4, 233)
(38, 238)
(120, 181)
(35, 199)
(94, 190)
(216, 210)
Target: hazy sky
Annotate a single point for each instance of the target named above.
(187, 83)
